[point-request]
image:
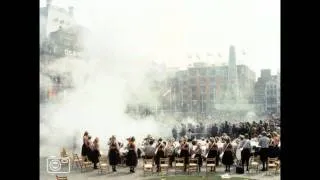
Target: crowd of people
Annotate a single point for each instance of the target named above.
(249, 140)
(233, 129)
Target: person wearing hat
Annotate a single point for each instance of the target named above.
(114, 153)
(132, 156)
(264, 142)
(246, 150)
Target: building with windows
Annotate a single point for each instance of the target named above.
(272, 95)
(267, 92)
(246, 81)
(259, 90)
(202, 87)
(60, 36)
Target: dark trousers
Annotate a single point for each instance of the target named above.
(171, 159)
(263, 157)
(245, 156)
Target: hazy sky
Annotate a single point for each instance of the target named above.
(168, 30)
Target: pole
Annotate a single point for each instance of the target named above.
(181, 90)
(156, 108)
(201, 103)
(170, 100)
(175, 100)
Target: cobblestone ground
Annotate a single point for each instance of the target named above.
(123, 174)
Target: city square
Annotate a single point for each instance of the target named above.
(185, 90)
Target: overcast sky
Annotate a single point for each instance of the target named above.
(168, 30)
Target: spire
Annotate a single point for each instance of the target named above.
(232, 55)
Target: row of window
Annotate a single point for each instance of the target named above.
(56, 20)
(271, 93)
(272, 86)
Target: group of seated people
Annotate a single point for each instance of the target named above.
(223, 149)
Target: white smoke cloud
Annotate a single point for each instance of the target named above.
(103, 86)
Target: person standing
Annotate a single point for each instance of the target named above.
(227, 158)
(246, 151)
(85, 147)
(213, 152)
(132, 156)
(159, 154)
(264, 142)
(95, 153)
(114, 153)
(185, 153)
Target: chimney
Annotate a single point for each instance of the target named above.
(71, 11)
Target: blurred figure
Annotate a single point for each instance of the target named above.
(185, 152)
(169, 152)
(95, 154)
(90, 148)
(213, 152)
(174, 133)
(85, 146)
(149, 150)
(264, 142)
(114, 153)
(245, 145)
(227, 158)
(189, 135)
(132, 156)
(159, 154)
(274, 151)
(198, 154)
